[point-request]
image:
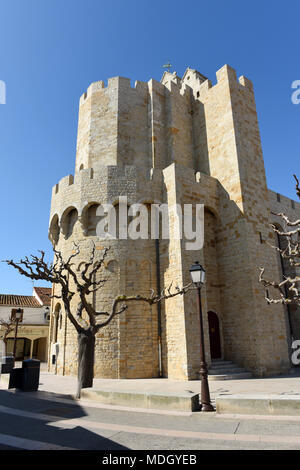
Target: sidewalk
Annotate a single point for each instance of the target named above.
(178, 395)
(229, 396)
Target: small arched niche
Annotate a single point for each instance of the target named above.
(92, 219)
(54, 230)
(113, 266)
(68, 221)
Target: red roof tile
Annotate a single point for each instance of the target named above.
(44, 294)
(19, 301)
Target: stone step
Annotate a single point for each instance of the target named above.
(221, 363)
(236, 376)
(218, 361)
(221, 369)
(222, 366)
(226, 370)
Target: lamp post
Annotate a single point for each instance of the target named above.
(18, 316)
(198, 277)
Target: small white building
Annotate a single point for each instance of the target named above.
(33, 328)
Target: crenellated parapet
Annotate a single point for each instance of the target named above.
(200, 85)
(106, 184)
(191, 80)
(113, 84)
(101, 184)
(281, 204)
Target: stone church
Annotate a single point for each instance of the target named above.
(178, 141)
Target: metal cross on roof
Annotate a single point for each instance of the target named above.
(167, 66)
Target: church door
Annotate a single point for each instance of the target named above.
(214, 335)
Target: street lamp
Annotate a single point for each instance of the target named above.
(18, 317)
(198, 277)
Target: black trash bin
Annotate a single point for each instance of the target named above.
(15, 378)
(7, 365)
(30, 375)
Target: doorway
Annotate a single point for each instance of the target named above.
(214, 335)
(22, 348)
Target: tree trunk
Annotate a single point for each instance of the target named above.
(86, 353)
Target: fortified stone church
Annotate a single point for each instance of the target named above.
(178, 141)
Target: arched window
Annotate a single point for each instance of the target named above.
(55, 323)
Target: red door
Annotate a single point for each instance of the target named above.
(214, 335)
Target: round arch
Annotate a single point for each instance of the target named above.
(212, 211)
(68, 220)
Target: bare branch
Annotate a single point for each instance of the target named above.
(297, 186)
(287, 289)
(152, 299)
(6, 327)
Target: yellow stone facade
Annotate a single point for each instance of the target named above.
(178, 141)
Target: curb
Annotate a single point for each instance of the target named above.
(154, 401)
(288, 405)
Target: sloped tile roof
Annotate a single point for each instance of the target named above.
(44, 294)
(19, 301)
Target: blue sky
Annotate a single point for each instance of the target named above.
(50, 51)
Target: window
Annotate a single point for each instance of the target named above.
(55, 325)
(16, 312)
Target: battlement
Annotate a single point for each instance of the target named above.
(113, 84)
(283, 204)
(225, 74)
(199, 84)
(124, 84)
(98, 185)
(92, 174)
(171, 81)
(105, 184)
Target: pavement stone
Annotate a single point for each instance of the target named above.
(254, 388)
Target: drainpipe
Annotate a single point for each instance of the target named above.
(158, 309)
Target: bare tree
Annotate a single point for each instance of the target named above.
(288, 290)
(6, 327)
(81, 280)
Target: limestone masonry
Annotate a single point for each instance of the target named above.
(178, 141)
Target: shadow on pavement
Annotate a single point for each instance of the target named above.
(27, 422)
